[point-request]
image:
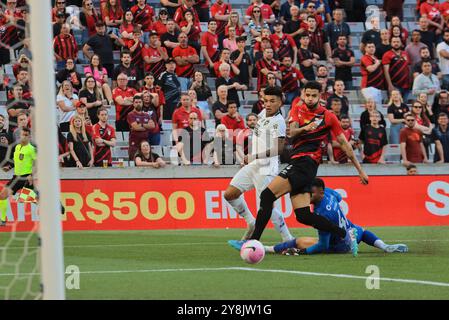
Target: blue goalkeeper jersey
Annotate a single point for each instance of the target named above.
(329, 207)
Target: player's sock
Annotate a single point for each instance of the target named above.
(241, 208)
(305, 216)
(269, 249)
(278, 221)
(3, 209)
(267, 198)
(285, 245)
(371, 239)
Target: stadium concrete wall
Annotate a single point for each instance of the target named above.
(190, 198)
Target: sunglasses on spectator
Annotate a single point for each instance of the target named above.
(256, 11)
(417, 107)
(410, 120)
(60, 2)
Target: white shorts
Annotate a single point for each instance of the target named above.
(249, 177)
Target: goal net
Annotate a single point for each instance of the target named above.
(31, 263)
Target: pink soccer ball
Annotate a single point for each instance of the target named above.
(252, 252)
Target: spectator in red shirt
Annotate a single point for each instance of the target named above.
(104, 139)
(234, 21)
(209, 44)
(336, 154)
(127, 27)
(186, 5)
(65, 47)
(291, 78)
(140, 125)
(136, 48)
(192, 29)
(225, 57)
(143, 16)
(220, 12)
(431, 10)
(160, 26)
(185, 57)
(264, 66)
(154, 110)
(373, 80)
(154, 56)
(232, 120)
(412, 146)
(123, 99)
(283, 44)
(112, 14)
(180, 118)
(88, 18)
(266, 11)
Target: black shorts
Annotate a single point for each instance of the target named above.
(18, 182)
(300, 173)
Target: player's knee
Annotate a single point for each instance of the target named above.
(231, 194)
(303, 215)
(267, 198)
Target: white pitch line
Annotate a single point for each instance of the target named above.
(295, 272)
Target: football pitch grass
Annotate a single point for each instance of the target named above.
(198, 264)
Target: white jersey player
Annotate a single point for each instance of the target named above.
(262, 163)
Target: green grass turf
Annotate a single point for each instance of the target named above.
(129, 251)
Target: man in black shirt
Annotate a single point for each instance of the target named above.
(306, 58)
(170, 85)
(384, 45)
(242, 60)
(170, 39)
(338, 28)
(219, 108)
(339, 88)
(232, 83)
(344, 60)
(428, 37)
(15, 106)
(102, 45)
(372, 35)
(135, 77)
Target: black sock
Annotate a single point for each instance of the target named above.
(267, 198)
(304, 216)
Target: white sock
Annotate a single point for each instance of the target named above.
(241, 208)
(380, 244)
(279, 224)
(269, 249)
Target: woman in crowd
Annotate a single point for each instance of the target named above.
(146, 158)
(92, 97)
(255, 25)
(112, 13)
(192, 29)
(230, 42)
(396, 110)
(234, 21)
(160, 26)
(370, 106)
(423, 98)
(100, 74)
(81, 110)
(88, 18)
(66, 101)
(127, 27)
(203, 93)
(396, 22)
(80, 145)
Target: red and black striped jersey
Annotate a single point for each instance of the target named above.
(155, 68)
(262, 79)
(317, 40)
(309, 144)
(143, 16)
(283, 46)
(223, 9)
(103, 152)
(157, 90)
(65, 46)
(290, 79)
(374, 79)
(186, 71)
(136, 55)
(374, 139)
(399, 68)
(179, 14)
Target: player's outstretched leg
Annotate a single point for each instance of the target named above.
(305, 216)
(277, 218)
(235, 199)
(371, 239)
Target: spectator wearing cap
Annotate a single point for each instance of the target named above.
(123, 98)
(143, 17)
(171, 86)
(343, 59)
(242, 60)
(220, 12)
(265, 10)
(81, 111)
(209, 44)
(260, 47)
(192, 29)
(134, 74)
(338, 28)
(65, 47)
(160, 25)
(185, 57)
(102, 45)
(154, 56)
(283, 44)
(231, 83)
(170, 38)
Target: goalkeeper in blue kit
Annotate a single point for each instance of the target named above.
(327, 204)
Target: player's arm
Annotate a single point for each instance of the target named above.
(295, 130)
(347, 148)
(321, 246)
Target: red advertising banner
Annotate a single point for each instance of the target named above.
(198, 203)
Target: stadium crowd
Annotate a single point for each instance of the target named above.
(191, 63)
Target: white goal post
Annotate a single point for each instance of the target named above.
(52, 258)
